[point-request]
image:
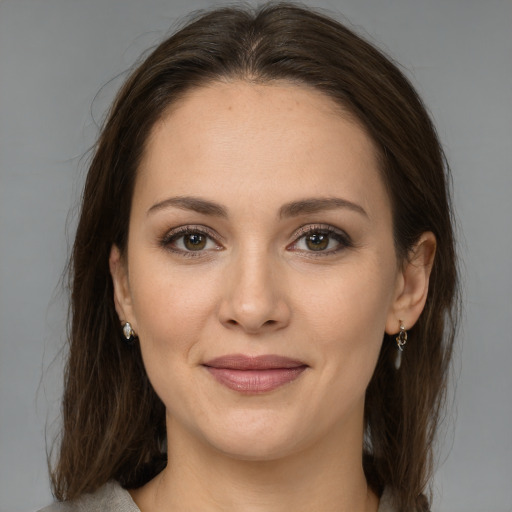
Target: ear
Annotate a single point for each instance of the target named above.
(412, 284)
(122, 295)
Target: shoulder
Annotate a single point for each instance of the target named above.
(109, 498)
(386, 502)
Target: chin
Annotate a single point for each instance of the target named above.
(256, 436)
(254, 449)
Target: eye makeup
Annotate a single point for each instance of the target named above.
(320, 240)
(313, 240)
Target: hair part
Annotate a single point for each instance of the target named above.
(113, 421)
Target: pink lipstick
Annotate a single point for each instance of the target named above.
(253, 375)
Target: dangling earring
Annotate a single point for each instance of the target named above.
(129, 334)
(401, 340)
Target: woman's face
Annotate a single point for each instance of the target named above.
(260, 274)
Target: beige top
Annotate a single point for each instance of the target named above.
(113, 498)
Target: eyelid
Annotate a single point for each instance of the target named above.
(343, 238)
(193, 228)
(177, 232)
(328, 228)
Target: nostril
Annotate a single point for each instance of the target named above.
(268, 323)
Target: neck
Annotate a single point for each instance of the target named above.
(326, 476)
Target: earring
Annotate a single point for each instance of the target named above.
(129, 334)
(401, 340)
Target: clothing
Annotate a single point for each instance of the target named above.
(109, 498)
(113, 498)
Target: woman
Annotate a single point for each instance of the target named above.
(264, 279)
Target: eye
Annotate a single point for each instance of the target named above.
(187, 240)
(324, 240)
(317, 241)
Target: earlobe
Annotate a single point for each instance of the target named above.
(122, 296)
(413, 289)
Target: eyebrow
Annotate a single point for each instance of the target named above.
(195, 204)
(292, 209)
(315, 205)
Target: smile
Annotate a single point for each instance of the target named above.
(254, 375)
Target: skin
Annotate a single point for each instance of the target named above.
(256, 287)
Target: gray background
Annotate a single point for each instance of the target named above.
(55, 56)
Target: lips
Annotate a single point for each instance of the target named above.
(254, 375)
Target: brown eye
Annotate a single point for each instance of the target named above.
(317, 241)
(194, 241)
(321, 240)
(190, 241)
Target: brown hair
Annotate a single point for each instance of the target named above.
(113, 422)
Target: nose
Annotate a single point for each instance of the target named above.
(254, 298)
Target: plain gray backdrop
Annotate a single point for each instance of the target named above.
(55, 58)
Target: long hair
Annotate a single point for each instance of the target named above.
(113, 422)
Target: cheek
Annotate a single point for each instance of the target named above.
(171, 307)
(172, 311)
(350, 301)
(346, 315)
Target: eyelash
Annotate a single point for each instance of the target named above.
(174, 235)
(343, 239)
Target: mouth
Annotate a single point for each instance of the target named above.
(254, 375)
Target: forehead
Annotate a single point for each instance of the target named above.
(246, 137)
